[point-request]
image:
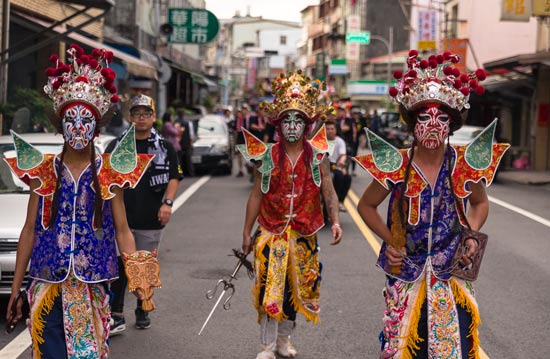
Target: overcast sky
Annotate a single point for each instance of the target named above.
(288, 10)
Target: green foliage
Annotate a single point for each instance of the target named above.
(158, 124)
(31, 99)
(209, 103)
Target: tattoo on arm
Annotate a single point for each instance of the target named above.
(329, 194)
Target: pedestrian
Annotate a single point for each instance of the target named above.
(339, 165)
(430, 312)
(286, 202)
(149, 205)
(375, 123)
(171, 132)
(358, 121)
(187, 138)
(347, 129)
(75, 214)
(242, 120)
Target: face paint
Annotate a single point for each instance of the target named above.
(78, 126)
(292, 127)
(432, 127)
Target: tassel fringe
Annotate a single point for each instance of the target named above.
(463, 299)
(295, 298)
(412, 338)
(38, 323)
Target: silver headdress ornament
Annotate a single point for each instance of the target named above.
(84, 79)
(436, 80)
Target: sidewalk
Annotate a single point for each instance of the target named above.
(524, 177)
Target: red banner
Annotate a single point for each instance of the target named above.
(459, 47)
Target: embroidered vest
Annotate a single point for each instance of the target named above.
(293, 198)
(72, 242)
(433, 226)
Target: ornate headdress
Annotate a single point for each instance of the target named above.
(297, 92)
(84, 78)
(436, 80)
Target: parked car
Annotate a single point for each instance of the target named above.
(14, 196)
(394, 130)
(465, 135)
(212, 150)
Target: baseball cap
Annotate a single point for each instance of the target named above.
(142, 100)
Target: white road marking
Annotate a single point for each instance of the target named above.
(189, 192)
(521, 211)
(17, 346)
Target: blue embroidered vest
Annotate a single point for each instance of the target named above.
(72, 242)
(436, 235)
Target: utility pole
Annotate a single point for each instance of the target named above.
(4, 40)
(389, 45)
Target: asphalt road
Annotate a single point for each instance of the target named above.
(513, 288)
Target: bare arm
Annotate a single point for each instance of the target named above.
(368, 210)
(479, 206)
(477, 215)
(252, 212)
(124, 237)
(165, 211)
(331, 201)
(24, 246)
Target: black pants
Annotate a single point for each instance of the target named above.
(342, 183)
(186, 163)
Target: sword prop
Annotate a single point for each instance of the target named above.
(227, 285)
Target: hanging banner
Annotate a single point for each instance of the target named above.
(353, 49)
(252, 72)
(427, 30)
(458, 47)
(541, 7)
(515, 10)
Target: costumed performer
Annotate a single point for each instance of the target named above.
(75, 213)
(429, 312)
(286, 200)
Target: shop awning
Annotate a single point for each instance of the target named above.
(134, 66)
(515, 70)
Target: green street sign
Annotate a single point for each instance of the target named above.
(192, 26)
(358, 37)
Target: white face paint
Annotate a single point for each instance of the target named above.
(78, 126)
(293, 126)
(432, 127)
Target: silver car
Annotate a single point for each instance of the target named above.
(14, 197)
(212, 150)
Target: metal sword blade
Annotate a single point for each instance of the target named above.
(212, 311)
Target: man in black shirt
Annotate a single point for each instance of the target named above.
(149, 205)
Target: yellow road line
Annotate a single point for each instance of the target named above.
(369, 236)
(365, 230)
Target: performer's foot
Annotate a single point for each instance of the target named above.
(285, 347)
(341, 207)
(266, 354)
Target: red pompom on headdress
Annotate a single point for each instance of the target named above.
(436, 80)
(85, 78)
